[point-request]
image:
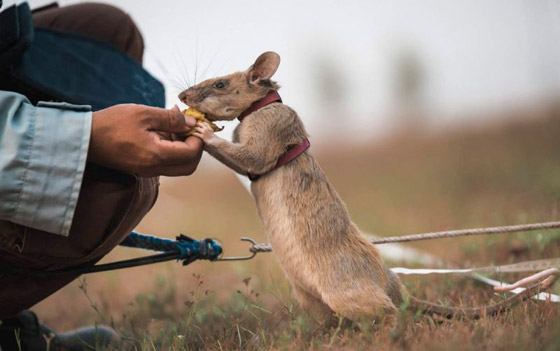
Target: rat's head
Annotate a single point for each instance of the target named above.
(225, 98)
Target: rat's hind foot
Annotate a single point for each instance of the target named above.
(367, 302)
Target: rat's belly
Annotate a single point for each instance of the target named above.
(284, 230)
(275, 210)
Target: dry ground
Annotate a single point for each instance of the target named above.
(412, 183)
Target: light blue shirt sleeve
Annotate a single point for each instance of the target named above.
(43, 151)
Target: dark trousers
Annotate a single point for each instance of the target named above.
(110, 203)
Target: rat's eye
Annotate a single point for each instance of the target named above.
(219, 85)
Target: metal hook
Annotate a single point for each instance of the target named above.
(240, 258)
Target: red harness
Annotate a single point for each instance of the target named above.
(293, 152)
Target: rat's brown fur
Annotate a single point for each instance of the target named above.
(330, 264)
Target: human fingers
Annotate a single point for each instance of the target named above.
(178, 152)
(189, 120)
(163, 120)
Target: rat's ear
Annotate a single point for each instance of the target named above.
(264, 67)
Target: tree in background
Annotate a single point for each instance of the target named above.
(409, 79)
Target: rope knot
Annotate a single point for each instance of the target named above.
(188, 248)
(209, 249)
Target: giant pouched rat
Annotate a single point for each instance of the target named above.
(330, 264)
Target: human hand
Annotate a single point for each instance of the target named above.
(132, 138)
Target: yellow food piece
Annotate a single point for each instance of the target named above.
(199, 116)
(194, 113)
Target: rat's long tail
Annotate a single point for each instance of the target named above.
(544, 280)
(474, 312)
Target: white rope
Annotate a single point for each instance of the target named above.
(528, 266)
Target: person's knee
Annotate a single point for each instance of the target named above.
(102, 22)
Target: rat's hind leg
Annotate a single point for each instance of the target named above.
(361, 301)
(313, 305)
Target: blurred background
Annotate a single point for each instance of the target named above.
(425, 115)
(376, 65)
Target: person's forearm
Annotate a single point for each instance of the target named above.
(43, 152)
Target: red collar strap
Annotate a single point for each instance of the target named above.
(293, 152)
(290, 155)
(272, 97)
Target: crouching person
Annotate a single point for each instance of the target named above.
(74, 182)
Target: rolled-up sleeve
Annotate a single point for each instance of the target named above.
(43, 151)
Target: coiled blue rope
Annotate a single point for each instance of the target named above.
(187, 247)
(184, 248)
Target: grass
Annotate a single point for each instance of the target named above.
(504, 174)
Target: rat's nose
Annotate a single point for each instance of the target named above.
(183, 95)
(187, 95)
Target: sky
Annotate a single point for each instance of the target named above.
(474, 56)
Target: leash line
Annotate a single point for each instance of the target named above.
(183, 249)
(468, 232)
(189, 250)
(266, 247)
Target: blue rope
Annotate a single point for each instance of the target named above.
(188, 248)
(184, 248)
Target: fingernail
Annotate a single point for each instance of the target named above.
(176, 108)
(190, 121)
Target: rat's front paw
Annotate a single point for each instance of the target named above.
(204, 132)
